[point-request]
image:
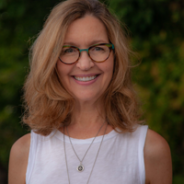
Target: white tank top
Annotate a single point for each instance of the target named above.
(120, 160)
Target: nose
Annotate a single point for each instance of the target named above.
(84, 62)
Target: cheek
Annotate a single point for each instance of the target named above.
(109, 68)
(63, 69)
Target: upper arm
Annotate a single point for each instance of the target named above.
(157, 159)
(18, 160)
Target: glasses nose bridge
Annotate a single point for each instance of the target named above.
(82, 61)
(81, 50)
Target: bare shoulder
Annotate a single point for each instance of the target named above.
(18, 160)
(22, 144)
(155, 145)
(157, 159)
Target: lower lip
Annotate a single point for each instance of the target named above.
(87, 82)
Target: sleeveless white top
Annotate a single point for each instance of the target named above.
(120, 160)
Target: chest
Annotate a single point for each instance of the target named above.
(117, 162)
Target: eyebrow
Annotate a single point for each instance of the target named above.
(90, 43)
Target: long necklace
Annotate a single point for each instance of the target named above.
(80, 168)
(94, 161)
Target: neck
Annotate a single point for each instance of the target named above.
(87, 120)
(87, 115)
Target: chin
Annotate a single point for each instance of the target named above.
(87, 98)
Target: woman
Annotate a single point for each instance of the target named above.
(82, 109)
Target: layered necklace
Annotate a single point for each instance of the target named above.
(80, 168)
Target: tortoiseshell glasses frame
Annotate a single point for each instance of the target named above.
(97, 53)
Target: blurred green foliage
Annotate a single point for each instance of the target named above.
(156, 31)
(156, 34)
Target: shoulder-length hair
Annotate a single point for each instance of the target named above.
(47, 104)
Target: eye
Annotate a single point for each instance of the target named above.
(69, 51)
(98, 48)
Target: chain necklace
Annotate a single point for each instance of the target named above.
(80, 168)
(85, 154)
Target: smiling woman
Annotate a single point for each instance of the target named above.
(80, 24)
(86, 80)
(82, 109)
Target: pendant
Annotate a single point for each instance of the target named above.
(80, 168)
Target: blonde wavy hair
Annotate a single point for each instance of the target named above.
(47, 104)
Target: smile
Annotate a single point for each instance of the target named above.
(85, 79)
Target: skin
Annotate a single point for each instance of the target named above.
(88, 113)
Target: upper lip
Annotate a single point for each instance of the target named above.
(86, 75)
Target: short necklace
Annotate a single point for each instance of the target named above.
(80, 168)
(95, 157)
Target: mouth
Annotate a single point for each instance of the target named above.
(86, 79)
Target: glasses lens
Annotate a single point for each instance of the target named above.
(69, 54)
(99, 53)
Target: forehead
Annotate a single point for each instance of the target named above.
(86, 31)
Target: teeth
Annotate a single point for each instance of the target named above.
(85, 79)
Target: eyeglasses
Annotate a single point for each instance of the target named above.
(98, 53)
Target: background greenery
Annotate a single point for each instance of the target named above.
(156, 31)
